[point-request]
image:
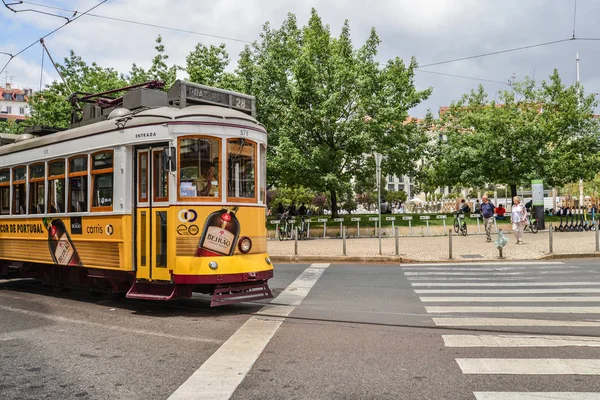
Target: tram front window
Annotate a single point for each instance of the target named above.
(241, 169)
(199, 167)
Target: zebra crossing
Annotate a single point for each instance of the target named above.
(518, 296)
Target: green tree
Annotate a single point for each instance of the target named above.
(11, 127)
(50, 107)
(336, 104)
(159, 70)
(397, 197)
(532, 132)
(206, 65)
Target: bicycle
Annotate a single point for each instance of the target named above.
(460, 226)
(303, 230)
(532, 224)
(285, 228)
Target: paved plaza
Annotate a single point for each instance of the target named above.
(436, 248)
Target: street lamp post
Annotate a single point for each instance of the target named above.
(378, 158)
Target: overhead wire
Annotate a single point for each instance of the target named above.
(50, 33)
(128, 21)
(462, 77)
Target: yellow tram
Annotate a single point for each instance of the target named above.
(156, 194)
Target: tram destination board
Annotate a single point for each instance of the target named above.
(185, 94)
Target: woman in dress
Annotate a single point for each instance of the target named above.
(518, 217)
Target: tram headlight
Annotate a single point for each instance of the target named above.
(213, 265)
(245, 244)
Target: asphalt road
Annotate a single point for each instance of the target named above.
(442, 331)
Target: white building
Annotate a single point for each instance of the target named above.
(13, 103)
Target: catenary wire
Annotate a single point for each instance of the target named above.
(497, 52)
(50, 33)
(142, 23)
(462, 76)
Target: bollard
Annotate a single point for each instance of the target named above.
(296, 241)
(344, 240)
(397, 243)
(450, 244)
(550, 243)
(597, 236)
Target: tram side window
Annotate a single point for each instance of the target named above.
(56, 187)
(241, 162)
(78, 184)
(199, 167)
(263, 174)
(102, 181)
(19, 193)
(37, 174)
(5, 192)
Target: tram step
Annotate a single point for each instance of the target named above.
(152, 291)
(232, 294)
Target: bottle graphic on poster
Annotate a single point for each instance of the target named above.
(61, 246)
(220, 233)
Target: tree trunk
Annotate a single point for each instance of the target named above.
(334, 210)
(513, 192)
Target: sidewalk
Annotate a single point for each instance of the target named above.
(436, 248)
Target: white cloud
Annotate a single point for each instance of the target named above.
(431, 30)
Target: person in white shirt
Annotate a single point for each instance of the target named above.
(518, 217)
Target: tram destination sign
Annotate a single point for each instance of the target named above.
(184, 94)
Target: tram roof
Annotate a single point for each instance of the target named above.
(146, 117)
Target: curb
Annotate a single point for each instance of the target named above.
(402, 260)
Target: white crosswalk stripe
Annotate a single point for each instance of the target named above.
(568, 293)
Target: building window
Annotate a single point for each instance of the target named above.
(102, 181)
(56, 187)
(401, 179)
(20, 97)
(78, 184)
(22, 110)
(37, 175)
(241, 155)
(7, 96)
(8, 109)
(391, 187)
(199, 167)
(390, 178)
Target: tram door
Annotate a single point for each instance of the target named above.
(151, 214)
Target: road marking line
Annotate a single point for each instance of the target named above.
(460, 278)
(512, 299)
(531, 366)
(440, 321)
(519, 341)
(507, 291)
(527, 309)
(489, 284)
(104, 326)
(221, 374)
(484, 263)
(494, 269)
(478, 273)
(536, 395)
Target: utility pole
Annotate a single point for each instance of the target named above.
(581, 180)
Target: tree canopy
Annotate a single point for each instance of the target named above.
(544, 132)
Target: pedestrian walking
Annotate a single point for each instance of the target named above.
(487, 212)
(518, 217)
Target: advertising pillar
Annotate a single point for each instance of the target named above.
(537, 196)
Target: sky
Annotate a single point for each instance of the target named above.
(433, 31)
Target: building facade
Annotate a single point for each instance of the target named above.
(13, 103)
